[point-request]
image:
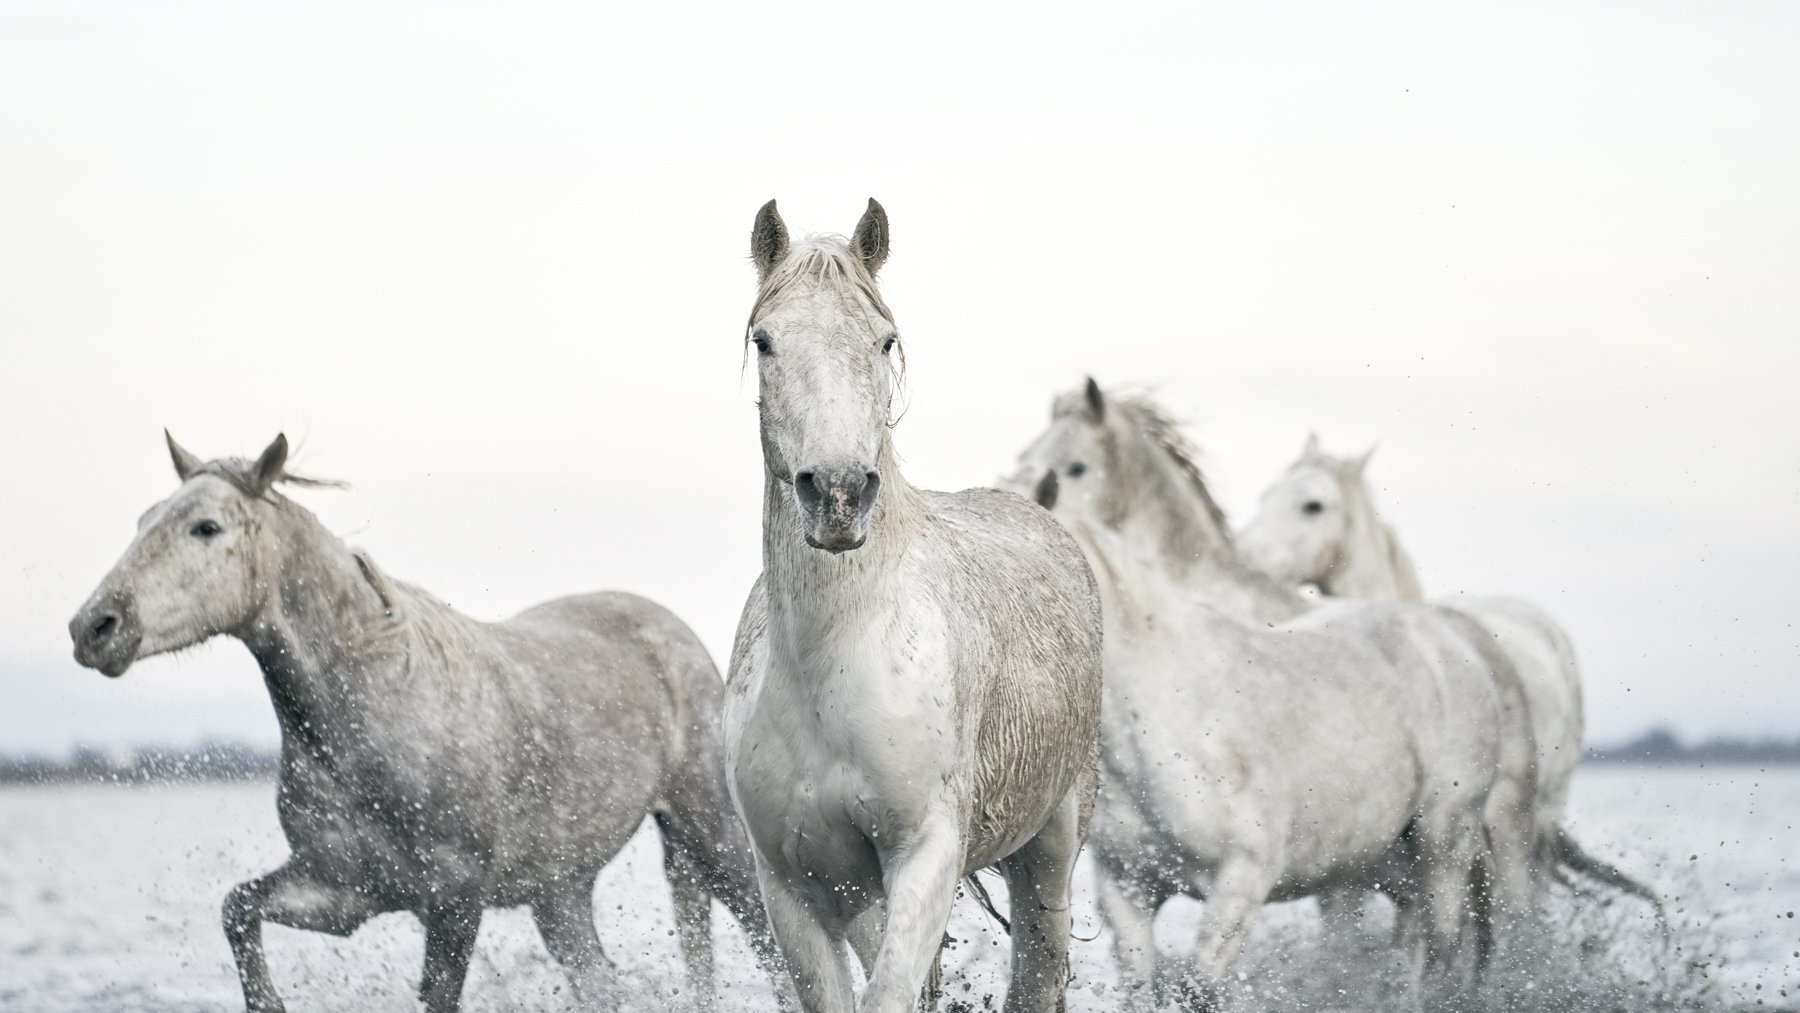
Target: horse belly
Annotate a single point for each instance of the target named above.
(1345, 825)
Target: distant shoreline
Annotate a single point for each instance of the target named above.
(144, 765)
(1660, 747)
(237, 762)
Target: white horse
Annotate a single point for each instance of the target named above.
(1318, 524)
(915, 688)
(1249, 760)
(429, 762)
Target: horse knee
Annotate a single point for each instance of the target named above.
(241, 909)
(297, 904)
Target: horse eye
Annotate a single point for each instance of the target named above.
(1313, 506)
(888, 345)
(1077, 470)
(205, 529)
(760, 339)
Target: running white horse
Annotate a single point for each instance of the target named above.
(1255, 760)
(915, 689)
(429, 762)
(1318, 524)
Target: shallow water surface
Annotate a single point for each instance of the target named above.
(109, 900)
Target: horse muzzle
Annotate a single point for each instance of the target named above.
(835, 500)
(106, 634)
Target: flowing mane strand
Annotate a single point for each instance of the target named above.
(242, 476)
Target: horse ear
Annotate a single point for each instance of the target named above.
(185, 463)
(870, 240)
(1046, 491)
(1311, 450)
(1362, 463)
(768, 240)
(268, 467)
(1096, 401)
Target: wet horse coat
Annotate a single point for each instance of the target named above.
(1318, 524)
(1254, 748)
(915, 688)
(430, 762)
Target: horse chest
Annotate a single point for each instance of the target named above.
(837, 755)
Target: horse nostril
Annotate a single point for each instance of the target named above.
(104, 628)
(871, 485)
(806, 486)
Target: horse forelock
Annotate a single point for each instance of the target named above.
(822, 260)
(827, 260)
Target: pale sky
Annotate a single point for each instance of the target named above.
(488, 262)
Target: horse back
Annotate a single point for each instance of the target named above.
(612, 697)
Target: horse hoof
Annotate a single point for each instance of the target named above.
(1195, 996)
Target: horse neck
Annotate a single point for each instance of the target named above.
(812, 592)
(1238, 589)
(323, 620)
(1371, 563)
(1178, 522)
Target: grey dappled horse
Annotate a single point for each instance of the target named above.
(429, 762)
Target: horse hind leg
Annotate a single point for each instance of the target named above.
(693, 921)
(1449, 854)
(288, 896)
(697, 820)
(1038, 890)
(565, 920)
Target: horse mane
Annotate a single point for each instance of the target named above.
(1399, 565)
(1164, 432)
(1406, 575)
(241, 474)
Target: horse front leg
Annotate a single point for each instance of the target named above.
(865, 941)
(452, 921)
(1239, 890)
(1129, 910)
(814, 956)
(288, 896)
(919, 882)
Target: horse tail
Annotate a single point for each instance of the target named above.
(1570, 855)
(980, 894)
